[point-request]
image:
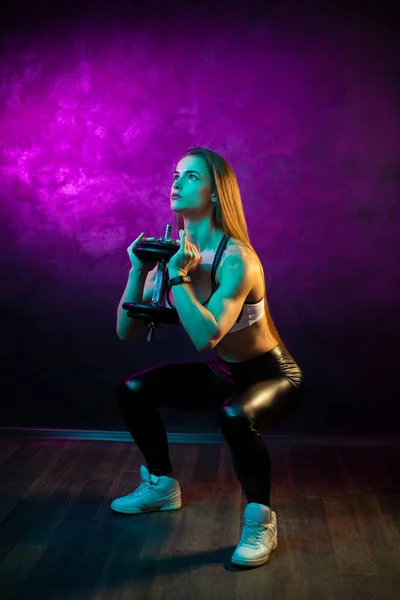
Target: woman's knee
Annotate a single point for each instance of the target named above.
(261, 405)
(232, 418)
(128, 390)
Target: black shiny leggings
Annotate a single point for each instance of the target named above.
(253, 394)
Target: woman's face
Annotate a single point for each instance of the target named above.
(192, 181)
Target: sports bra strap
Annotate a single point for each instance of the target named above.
(217, 258)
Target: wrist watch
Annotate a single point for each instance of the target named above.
(179, 279)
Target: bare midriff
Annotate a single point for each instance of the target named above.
(246, 343)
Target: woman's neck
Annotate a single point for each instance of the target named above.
(202, 235)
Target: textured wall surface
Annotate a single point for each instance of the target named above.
(97, 104)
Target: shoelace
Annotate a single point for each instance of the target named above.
(143, 487)
(252, 533)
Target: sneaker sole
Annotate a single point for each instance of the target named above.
(139, 511)
(242, 562)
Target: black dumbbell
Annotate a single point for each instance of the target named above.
(160, 249)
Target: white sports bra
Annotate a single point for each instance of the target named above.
(251, 312)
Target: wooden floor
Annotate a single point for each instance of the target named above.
(337, 508)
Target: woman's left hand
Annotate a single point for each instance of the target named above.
(186, 259)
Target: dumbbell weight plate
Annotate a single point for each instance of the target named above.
(156, 249)
(151, 313)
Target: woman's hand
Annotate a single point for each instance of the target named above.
(146, 263)
(186, 259)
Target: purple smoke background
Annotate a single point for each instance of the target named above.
(97, 105)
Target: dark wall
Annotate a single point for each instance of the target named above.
(98, 101)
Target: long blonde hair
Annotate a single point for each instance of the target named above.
(229, 215)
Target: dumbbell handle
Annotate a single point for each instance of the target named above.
(160, 283)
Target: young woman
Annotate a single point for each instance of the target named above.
(217, 286)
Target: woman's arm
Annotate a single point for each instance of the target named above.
(207, 326)
(139, 289)
(198, 322)
(239, 275)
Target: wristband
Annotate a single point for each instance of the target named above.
(179, 279)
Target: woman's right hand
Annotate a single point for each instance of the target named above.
(144, 263)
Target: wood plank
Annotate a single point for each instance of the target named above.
(337, 508)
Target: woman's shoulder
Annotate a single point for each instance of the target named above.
(237, 248)
(240, 250)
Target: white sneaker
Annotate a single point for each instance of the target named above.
(154, 493)
(259, 536)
